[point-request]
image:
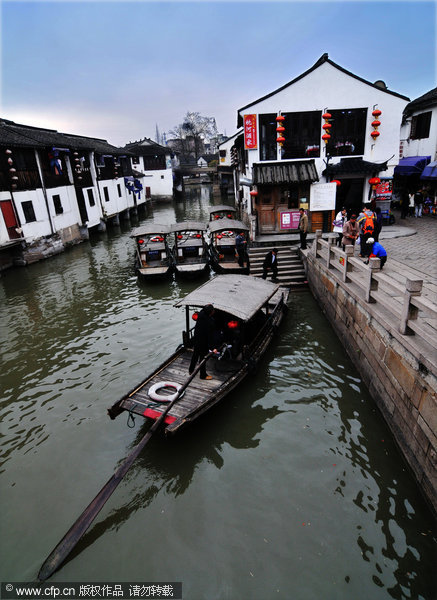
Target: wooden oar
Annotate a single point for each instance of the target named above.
(76, 531)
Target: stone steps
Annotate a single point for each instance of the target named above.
(291, 272)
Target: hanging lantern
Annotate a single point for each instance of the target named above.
(375, 134)
(327, 127)
(326, 137)
(254, 193)
(8, 151)
(374, 181)
(326, 115)
(280, 140)
(195, 316)
(376, 124)
(336, 181)
(280, 119)
(376, 113)
(280, 129)
(10, 161)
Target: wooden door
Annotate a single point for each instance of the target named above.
(10, 218)
(267, 212)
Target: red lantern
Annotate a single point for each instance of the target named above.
(141, 242)
(280, 140)
(376, 123)
(180, 237)
(229, 216)
(326, 137)
(374, 181)
(326, 116)
(254, 193)
(280, 119)
(198, 235)
(326, 126)
(219, 237)
(336, 182)
(195, 316)
(375, 134)
(232, 324)
(280, 129)
(376, 113)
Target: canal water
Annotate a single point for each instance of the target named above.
(292, 488)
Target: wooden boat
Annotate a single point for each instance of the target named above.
(153, 256)
(222, 251)
(221, 211)
(190, 250)
(248, 311)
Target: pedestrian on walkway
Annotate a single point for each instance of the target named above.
(350, 232)
(366, 222)
(376, 251)
(378, 223)
(338, 224)
(271, 262)
(303, 228)
(418, 203)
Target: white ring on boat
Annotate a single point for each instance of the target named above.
(162, 384)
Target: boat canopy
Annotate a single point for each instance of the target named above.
(224, 224)
(188, 226)
(220, 208)
(150, 229)
(239, 295)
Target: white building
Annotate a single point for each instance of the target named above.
(288, 175)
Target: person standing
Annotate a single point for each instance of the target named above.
(376, 251)
(271, 262)
(338, 224)
(366, 223)
(350, 231)
(418, 203)
(241, 248)
(204, 332)
(303, 228)
(378, 223)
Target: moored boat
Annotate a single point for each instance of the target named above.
(222, 250)
(247, 313)
(153, 258)
(221, 211)
(190, 250)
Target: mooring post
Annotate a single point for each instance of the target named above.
(349, 252)
(372, 284)
(413, 287)
(332, 237)
(317, 239)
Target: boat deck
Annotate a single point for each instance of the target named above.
(199, 394)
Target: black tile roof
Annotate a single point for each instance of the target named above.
(147, 147)
(354, 165)
(15, 134)
(427, 100)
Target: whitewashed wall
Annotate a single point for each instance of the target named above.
(160, 181)
(425, 146)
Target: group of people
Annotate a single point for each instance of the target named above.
(412, 203)
(366, 226)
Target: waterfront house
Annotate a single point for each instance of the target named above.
(418, 146)
(155, 164)
(228, 161)
(290, 164)
(54, 188)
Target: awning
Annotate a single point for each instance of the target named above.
(285, 172)
(430, 171)
(411, 165)
(354, 166)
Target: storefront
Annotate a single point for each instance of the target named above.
(281, 189)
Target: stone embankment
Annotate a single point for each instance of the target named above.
(386, 320)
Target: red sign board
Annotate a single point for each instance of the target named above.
(289, 219)
(250, 141)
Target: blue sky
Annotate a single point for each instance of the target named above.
(116, 69)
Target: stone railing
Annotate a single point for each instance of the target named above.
(403, 301)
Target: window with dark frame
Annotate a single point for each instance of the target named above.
(57, 204)
(91, 200)
(119, 190)
(267, 137)
(420, 126)
(348, 132)
(302, 134)
(28, 211)
(106, 194)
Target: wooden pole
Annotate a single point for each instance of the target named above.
(79, 527)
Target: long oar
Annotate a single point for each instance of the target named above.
(76, 531)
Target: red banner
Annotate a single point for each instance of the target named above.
(250, 141)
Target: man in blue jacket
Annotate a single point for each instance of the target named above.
(376, 251)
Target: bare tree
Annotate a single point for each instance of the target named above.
(189, 136)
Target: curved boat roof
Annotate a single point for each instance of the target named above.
(188, 226)
(219, 207)
(239, 295)
(150, 229)
(223, 224)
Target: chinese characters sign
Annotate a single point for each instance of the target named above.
(250, 141)
(289, 219)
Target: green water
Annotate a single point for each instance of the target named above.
(292, 488)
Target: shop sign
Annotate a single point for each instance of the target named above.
(384, 188)
(289, 219)
(323, 196)
(250, 141)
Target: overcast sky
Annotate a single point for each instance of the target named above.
(117, 69)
